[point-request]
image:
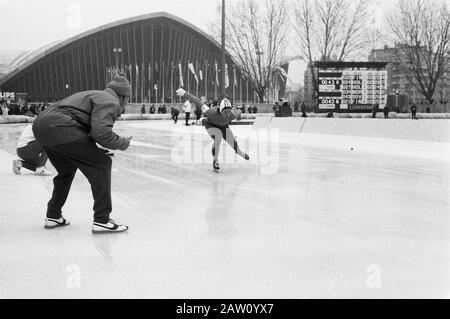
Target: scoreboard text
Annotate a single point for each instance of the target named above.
(352, 90)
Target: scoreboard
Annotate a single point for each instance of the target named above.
(352, 90)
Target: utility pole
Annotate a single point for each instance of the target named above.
(222, 75)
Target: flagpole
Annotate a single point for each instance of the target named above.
(188, 78)
(142, 82)
(163, 95)
(240, 90)
(234, 85)
(215, 80)
(206, 79)
(149, 83)
(222, 85)
(130, 69)
(197, 81)
(247, 90)
(171, 84)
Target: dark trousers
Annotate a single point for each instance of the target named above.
(188, 116)
(175, 118)
(32, 155)
(93, 163)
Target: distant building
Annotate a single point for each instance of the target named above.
(158, 52)
(399, 82)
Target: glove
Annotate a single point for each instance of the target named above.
(205, 108)
(127, 143)
(181, 92)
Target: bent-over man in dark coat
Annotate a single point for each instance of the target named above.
(68, 131)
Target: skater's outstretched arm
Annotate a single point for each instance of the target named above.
(198, 103)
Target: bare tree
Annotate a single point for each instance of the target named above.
(421, 30)
(330, 30)
(256, 36)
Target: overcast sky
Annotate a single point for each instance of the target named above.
(31, 24)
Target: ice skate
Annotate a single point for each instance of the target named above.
(110, 227)
(51, 223)
(216, 166)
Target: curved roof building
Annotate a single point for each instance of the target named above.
(158, 53)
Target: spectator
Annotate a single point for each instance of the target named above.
(250, 109)
(163, 109)
(413, 112)
(152, 109)
(5, 109)
(276, 109)
(428, 108)
(330, 115)
(32, 155)
(175, 113)
(198, 114)
(187, 108)
(296, 107)
(374, 111)
(255, 109)
(386, 112)
(303, 110)
(143, 109)
(23, 109)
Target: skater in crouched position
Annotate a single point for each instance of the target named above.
(32, 155)
(68, 132)
(216, 121)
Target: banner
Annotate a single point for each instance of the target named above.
(192, 69)
(217, 74)
(181, 75)
(227, 80)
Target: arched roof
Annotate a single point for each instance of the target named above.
(34, 56)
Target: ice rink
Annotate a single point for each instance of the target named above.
(310, 216)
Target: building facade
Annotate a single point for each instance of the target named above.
(158, 53)
(402, 92)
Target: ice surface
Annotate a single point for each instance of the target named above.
(307, 217)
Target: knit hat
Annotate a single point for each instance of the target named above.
(120, 85)
(225, 104)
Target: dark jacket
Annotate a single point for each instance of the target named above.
(216, 119)
(89, 113)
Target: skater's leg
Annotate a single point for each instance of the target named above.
(217, 136)
(234, 144)
(96, 166)
(61, 183)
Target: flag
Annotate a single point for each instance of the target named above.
(200, 73)
(227, 80)
(234, 76)
(181, 75)
(283, 73)
(217, 74)
(192, 69)
(137, 81)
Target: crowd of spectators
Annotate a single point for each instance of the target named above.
(22, 109)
